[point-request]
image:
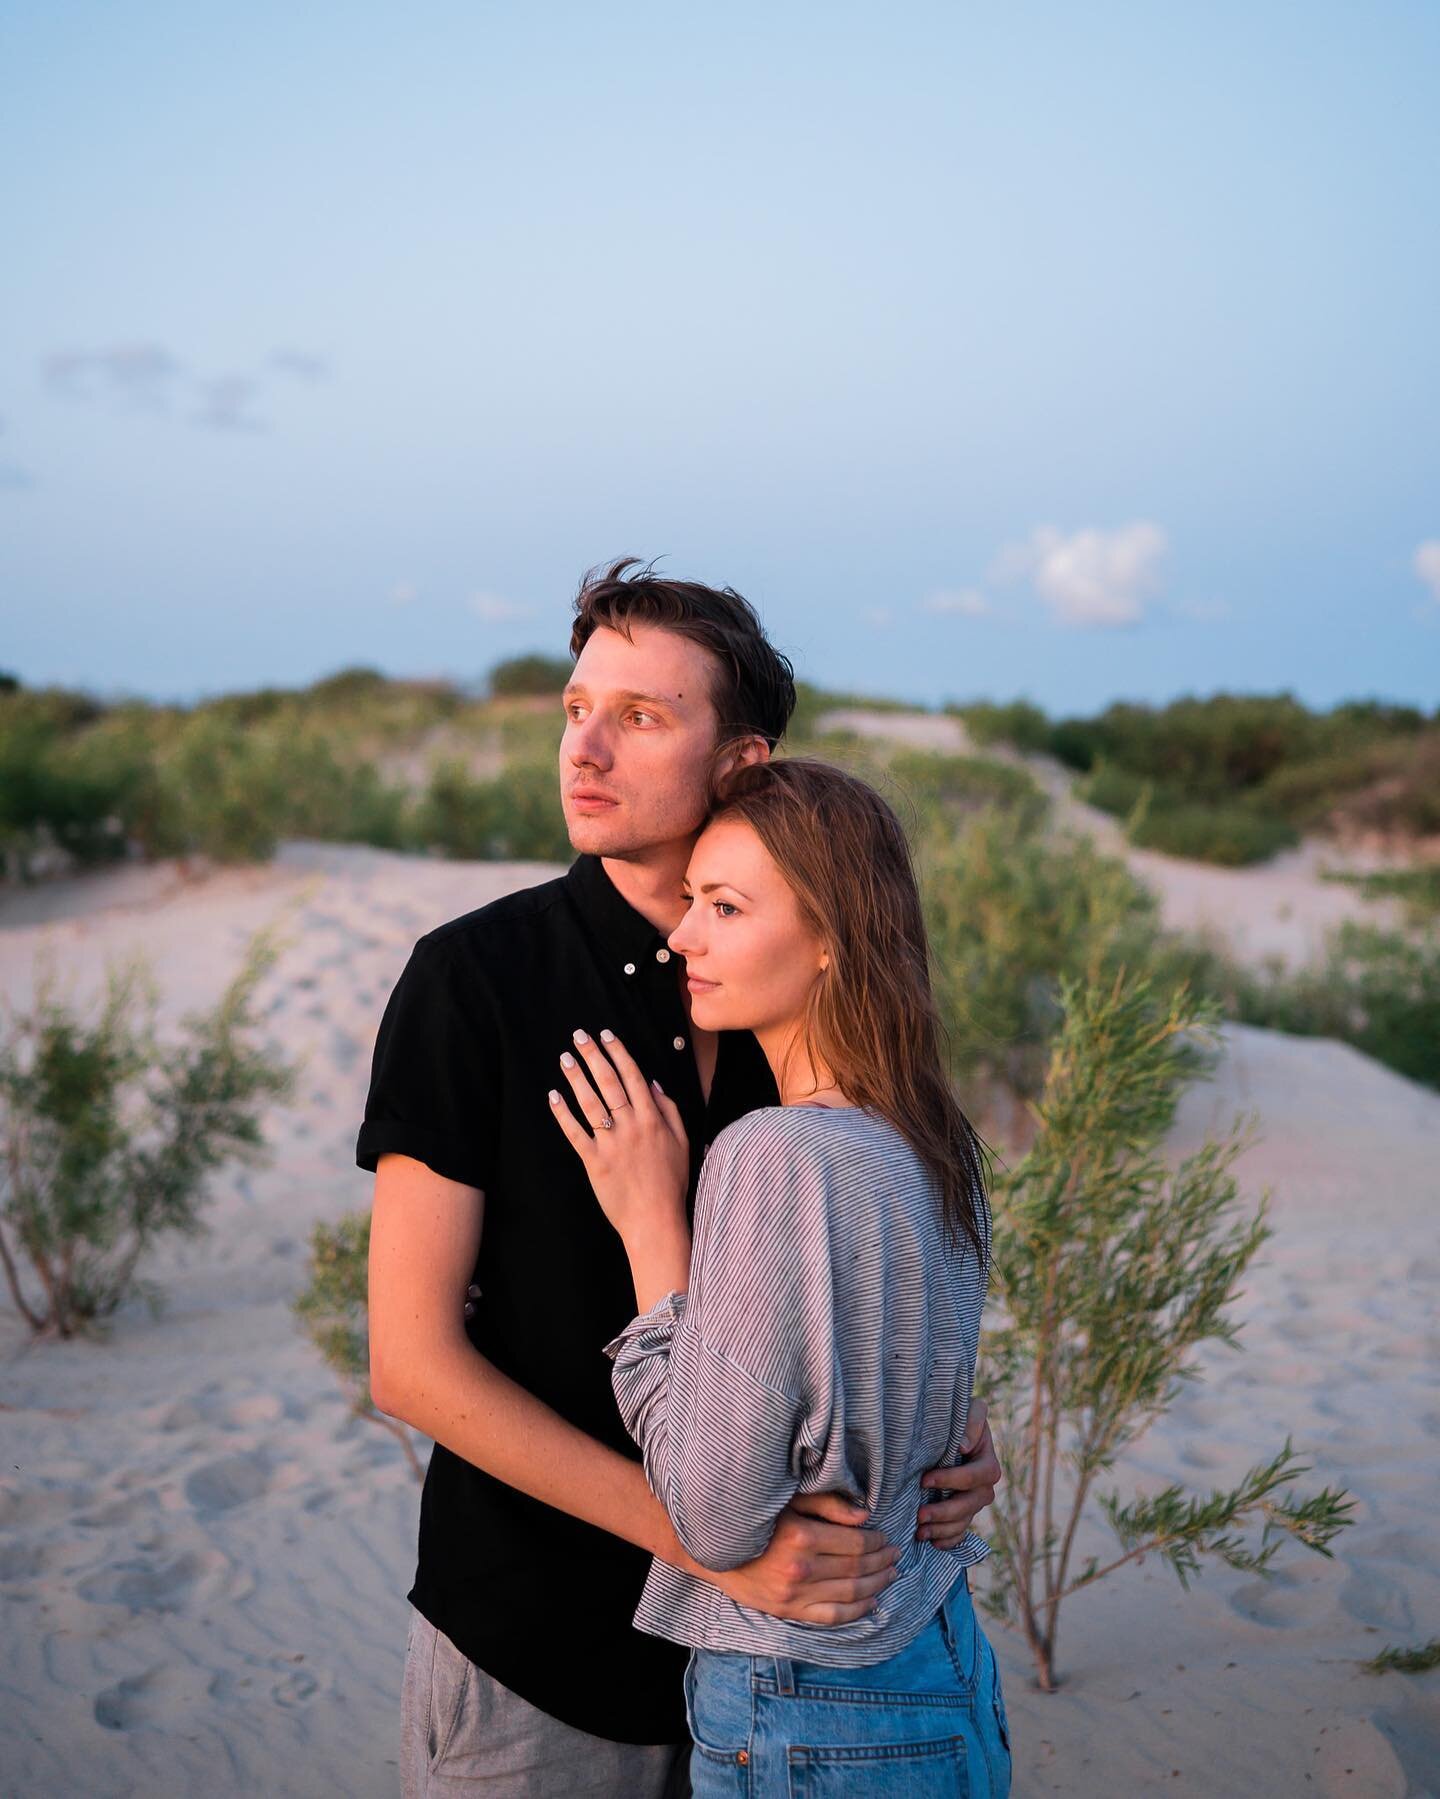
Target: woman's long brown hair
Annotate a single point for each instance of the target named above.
(871, 1017)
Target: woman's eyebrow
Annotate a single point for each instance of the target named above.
(710, 887)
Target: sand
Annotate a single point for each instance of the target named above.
(203, 1556)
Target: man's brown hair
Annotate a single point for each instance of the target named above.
(754, 687)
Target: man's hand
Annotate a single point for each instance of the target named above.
(820, 1567)
(969, 1489)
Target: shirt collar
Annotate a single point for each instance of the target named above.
(622, 932)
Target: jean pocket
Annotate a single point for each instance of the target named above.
(722, 1769)
(936, 1769)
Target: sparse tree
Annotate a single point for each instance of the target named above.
(108, 1135)
(334, 1310)
(1111, 1268)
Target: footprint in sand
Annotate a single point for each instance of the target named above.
(1370, 1598)
(161, 1583)
(164, 1697)
(232, 1480)
(1280, 1601)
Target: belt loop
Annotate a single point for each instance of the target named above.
(785, 1676)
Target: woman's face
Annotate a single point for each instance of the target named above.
(750, 956)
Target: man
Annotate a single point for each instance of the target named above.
(495, 1279)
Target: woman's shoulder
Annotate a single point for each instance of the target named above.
(773, 1137)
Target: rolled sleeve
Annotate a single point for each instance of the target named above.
(435, 1074)
(719, 1446)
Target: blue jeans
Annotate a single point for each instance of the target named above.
(929, 1721)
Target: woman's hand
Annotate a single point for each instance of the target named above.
(638, 1162)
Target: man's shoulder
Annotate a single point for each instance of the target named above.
(491, 935)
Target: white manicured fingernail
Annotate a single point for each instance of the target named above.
(656, 1085)
(607, 1036)
(566, 1059)
(554, 1097)
(580, 1037)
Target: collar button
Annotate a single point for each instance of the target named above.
(629, 968)
(662, 955)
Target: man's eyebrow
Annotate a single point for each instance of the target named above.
(630, 696)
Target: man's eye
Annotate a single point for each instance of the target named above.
(646, 715)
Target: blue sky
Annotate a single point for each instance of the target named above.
(1082, 353)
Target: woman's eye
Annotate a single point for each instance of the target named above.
(725, 908)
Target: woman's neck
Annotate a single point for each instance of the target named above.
(802, 1078)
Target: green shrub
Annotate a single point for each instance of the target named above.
(948, 787)
(532, 674)
(335, 1312)
(1017, 722)
(1376, 989)
(1418, 888)
(1231, 836)
(517, 816)
(1112, 1268)
(1011, 913)
(108, 1135)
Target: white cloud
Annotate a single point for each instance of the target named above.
(1426, 564)
(959, 602)
(1090, 577)
(496, 610)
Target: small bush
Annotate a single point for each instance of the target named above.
(1376, 989)
(335, 1311)
(518, 815)
(107, 1136)
(532, 674)
(1113, 1269)
(1232, 836)
(1018, 722)
(1418, 888)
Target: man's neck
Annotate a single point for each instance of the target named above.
(651, 882)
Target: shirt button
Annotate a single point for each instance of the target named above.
(679, 1043)
(662, 955)
(629, 968)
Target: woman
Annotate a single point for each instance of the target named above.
(821, 1336)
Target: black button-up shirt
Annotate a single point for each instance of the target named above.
(467, 1051)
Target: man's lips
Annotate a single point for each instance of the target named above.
(587, 799)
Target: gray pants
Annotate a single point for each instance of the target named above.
(462, 1732)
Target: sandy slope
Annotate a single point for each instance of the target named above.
(203, 1559)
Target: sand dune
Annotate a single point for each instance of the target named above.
(203, 1558)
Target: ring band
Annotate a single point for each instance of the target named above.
(607, 1123)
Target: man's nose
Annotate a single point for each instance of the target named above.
(586, 743)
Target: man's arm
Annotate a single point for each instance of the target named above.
(424, 1239)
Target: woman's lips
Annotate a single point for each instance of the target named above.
(696, 985)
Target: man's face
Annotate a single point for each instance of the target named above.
(640, 732)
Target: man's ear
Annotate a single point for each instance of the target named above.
(738, 754)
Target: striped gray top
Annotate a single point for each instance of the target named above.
(827, 1344)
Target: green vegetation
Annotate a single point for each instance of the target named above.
(529, 675)
(334, 1310)
(108, 1135)
(1112, 1268)
(1406, 1661)
(1379, 990)
(1234, 778)
(1417, 888)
